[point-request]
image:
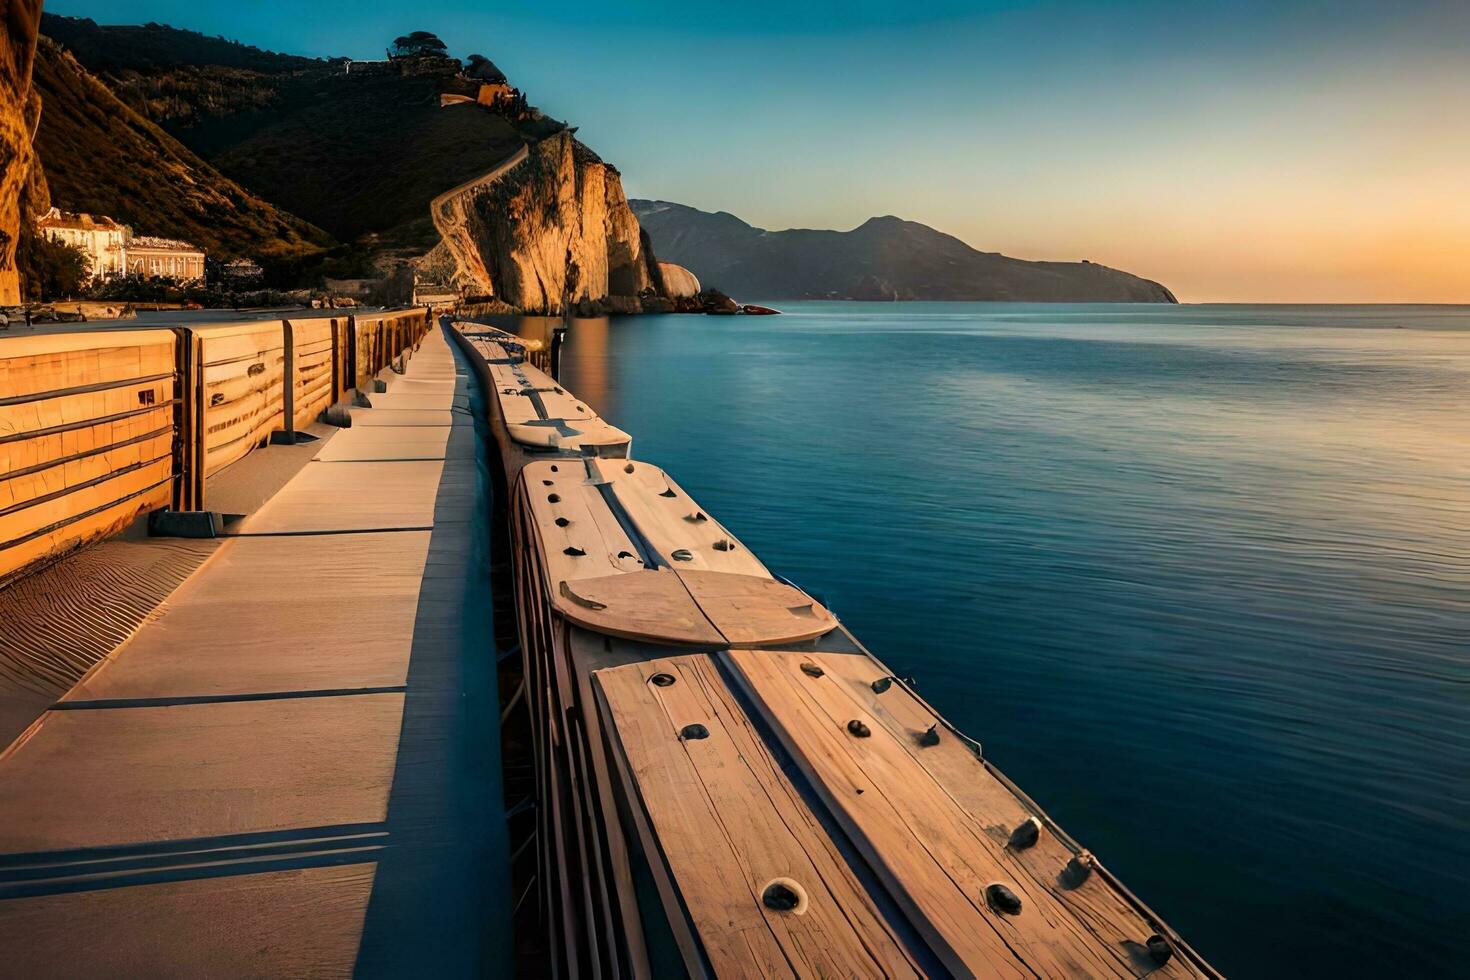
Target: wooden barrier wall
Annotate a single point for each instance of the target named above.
(99, 427)
(88, 426)
(377, 340)
(243, 374)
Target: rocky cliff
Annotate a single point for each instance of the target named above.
(548, 228)
(20, 111)
(884, 258)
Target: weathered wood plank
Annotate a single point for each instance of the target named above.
(952, 763)
(729, 824)
(756, 611)
(929, 851)
(681, 531)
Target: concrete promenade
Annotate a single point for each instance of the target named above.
(293, 767)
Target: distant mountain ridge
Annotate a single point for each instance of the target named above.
(885, 258)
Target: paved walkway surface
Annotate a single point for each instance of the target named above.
(293, 766)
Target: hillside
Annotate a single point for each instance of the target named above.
(357, 154)
(174, 76)
(101, 156)
(354, 154)
(885, 258)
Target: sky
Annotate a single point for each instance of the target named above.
(1248, 151)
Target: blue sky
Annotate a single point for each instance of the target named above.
(1241, 151)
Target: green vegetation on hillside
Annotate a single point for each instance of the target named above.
(177, 77)
(102, 157)
(357, 154)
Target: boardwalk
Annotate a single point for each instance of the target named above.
(293, 766)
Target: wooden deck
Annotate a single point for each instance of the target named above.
(729, 784)
(292, 767)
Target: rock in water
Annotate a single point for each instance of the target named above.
(679, 282)
(19, 111)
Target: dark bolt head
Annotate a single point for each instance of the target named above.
(662, 680)
(780, 897)
(811, 670)
(1159, 949)
(882, 684)
(1026, 834)
(693, 732)
(858, 729)
(562, 522)
(931, 737)
(1002, 899)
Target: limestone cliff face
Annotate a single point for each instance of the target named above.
(548, 228)
(20, 111)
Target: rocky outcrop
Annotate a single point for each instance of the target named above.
(548, 229)
(679, 282)
(20, 111)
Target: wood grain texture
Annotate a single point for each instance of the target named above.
(673, 522)
(729, 823)
(650, 605)
(244, 388)
(931, 852)
(86, 438)
(755, 611)
(954, 765)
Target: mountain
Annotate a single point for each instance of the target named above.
(884, 258)
(101, 156)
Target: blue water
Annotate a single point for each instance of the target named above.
(1197, 577)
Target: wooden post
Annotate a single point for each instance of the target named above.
(288, 380)
(189, 427)
(351, 352)
(336, 362)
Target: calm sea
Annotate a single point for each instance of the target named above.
(1197, 577)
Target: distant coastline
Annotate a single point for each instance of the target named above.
(885, 258)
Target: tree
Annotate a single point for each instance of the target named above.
(483, 69)
(416, 44)
(50, 270)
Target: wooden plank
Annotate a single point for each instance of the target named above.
(728, 824)
(85, 528)
(650, 605)
(753, 611)
(556, 492)
(954, 765)
(929, 851)
(33, 516)
(680, 530)
(244, 380)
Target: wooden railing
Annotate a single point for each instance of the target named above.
(99, 427)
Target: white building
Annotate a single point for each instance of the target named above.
(103, 240)
(113, 250)
(166, 258)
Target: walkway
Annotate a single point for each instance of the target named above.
(293, 768)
